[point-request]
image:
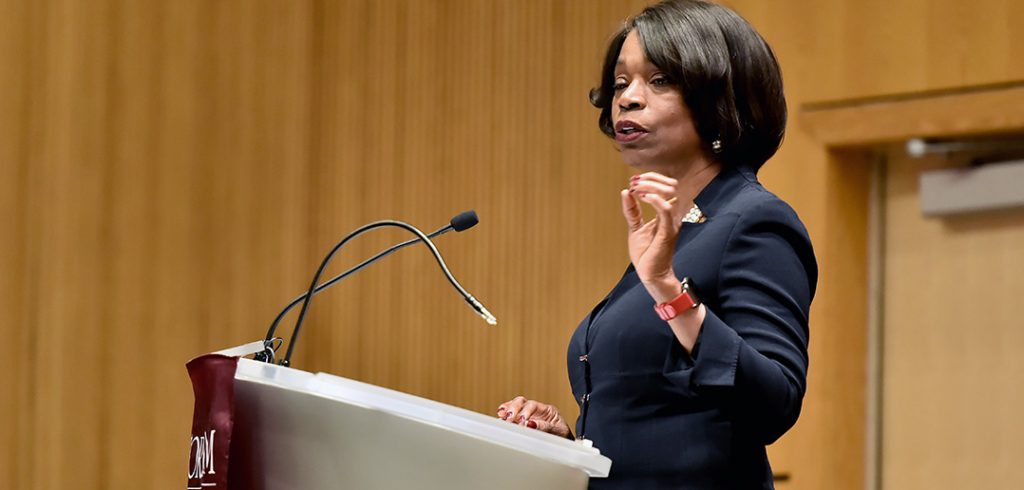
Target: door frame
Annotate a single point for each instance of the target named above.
(853, 132)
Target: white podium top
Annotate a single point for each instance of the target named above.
(463, 422)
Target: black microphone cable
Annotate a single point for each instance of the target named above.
(461, 222)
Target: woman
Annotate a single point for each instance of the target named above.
(697, 358)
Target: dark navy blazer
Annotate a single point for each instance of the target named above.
(669, 420)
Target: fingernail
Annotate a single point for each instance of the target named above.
(531, 424)
(522, 420)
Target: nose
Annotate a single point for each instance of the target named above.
(632, 97)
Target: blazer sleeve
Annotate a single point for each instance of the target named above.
(752, 349)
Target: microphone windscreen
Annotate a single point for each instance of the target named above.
(465, 220)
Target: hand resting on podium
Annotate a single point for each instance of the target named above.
(535, 415)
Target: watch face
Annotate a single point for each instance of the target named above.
(689, 291)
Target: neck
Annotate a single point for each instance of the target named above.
(693, 178)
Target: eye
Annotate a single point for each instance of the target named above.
(620, 85)
(661, 81)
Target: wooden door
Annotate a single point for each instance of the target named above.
(952, 340)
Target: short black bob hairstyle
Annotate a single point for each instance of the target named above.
(727, 73)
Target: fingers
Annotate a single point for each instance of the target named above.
(631, 211)
(640, 186)
(653, 182)
(656, 177)
(660, 204)
(667, 224)
(551, 422)
(519, 410)
(510, 409)
(529, 409)
(534, 415)
(646, 186)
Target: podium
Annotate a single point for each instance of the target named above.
(299, 430)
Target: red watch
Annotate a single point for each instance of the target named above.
(687, 300)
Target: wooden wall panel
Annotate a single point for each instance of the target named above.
(143, 142)
(952, 366)
(172, 173)
(852, 49)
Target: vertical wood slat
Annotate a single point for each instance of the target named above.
(15, 90)
(131, 320)
(66, 183)
(129, 339)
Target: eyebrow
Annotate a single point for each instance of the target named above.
(622, 61)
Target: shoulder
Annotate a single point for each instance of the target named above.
(766, 226)
(753, 204)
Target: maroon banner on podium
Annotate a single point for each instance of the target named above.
(213, 383)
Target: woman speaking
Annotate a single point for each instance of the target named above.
(697, 358)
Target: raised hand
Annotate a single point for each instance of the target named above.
(652, 243)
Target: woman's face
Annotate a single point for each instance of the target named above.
(653, 126)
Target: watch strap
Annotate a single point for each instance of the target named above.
(687, 300)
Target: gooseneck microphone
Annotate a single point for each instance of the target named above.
(461, 222)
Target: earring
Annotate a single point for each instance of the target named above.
(716, 146)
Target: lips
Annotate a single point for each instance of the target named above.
(627, 131)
